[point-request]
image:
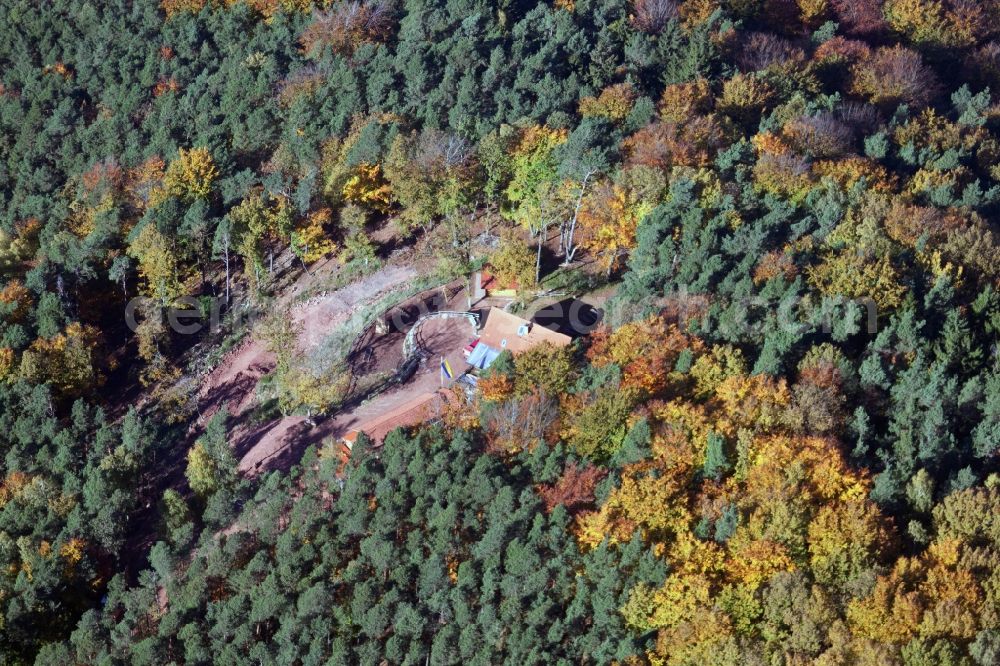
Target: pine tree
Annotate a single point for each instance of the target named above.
(716, 462)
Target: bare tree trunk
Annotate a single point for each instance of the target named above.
(538, 255)
(568, 247)
(226, 259)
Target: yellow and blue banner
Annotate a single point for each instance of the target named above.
(446, 369)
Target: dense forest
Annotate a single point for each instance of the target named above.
(779, 448)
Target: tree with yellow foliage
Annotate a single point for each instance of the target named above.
(211, 466)
(536, 196)
(744, 97)
(192, 174)
(19, 246)
(755, 403)
(546, 367)
(68, 361)
(513, 263)
(711, 369)
(310, 240)
(852, 274)
(754, 561)
(369, 188)
(614, 103)
(932, 23)
(257, 222)
(157, 261)
(173, 7)
(300, 386)
(432, 174)
(651, 500)
(201, 472)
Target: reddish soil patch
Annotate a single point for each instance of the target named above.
(281, 442)
(258, 447)
(233, 383)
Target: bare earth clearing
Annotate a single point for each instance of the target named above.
(279, 442)
(234, 381)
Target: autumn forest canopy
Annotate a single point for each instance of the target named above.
(779, 447)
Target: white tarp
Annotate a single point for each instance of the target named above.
(482, 356)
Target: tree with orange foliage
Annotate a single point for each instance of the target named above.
(496, 387)
(144, 183)
(646, 351)
(848, 172)
(574, 489)
(15, 301)
(681, 101)
(892, 611)
(8, 365)
(693, 142)
(608, 221)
